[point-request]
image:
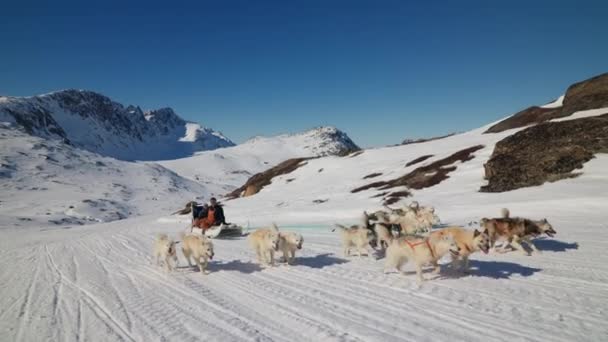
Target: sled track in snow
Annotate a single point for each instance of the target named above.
(103, 286)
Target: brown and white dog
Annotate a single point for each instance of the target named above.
(289, 242)
(198, 247)
(469, 242)
(265, 242)
(421, 250)
(513, 230)
(358, 237)
(413, 219)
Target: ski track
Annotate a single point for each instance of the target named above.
(104, 286)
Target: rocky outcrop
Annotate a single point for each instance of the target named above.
(545, 153)
(258, 181)
(588, 94)
(422, 177)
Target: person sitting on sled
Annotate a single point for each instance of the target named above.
(210, 215)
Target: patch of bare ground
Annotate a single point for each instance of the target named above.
(425, 176)
(394, 197)
(373, 175)
(418, 160)
(588, 94)
(258, 181)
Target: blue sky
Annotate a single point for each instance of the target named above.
(379, 70)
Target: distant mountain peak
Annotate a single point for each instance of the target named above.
(95, 122)
(318, 141)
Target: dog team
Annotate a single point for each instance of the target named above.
(404, 234)
(265, 242)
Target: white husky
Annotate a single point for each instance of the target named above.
(357, 237)
(198, 247)
(164, 250)
(289, 242)
(265, 242)
(421, 250)
(413, 219)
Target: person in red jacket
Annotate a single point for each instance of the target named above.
(211, 215)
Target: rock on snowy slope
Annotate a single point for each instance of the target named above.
(94, 122)
(585, 95)
(543, 153)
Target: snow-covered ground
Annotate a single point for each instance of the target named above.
(46, 182)
(555, 104)
(97, 282)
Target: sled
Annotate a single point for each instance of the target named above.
(221, 231)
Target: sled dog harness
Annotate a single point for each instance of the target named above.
(426, 241)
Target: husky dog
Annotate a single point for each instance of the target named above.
(421, 250)
(289, 242)
(265, 242)
(516, 229)
(469, 242)
(164, 250)
(413, 219)
(198, 247)
(383, 235)
(357, 237)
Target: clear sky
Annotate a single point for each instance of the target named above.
(379, 70)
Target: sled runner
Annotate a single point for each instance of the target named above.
(222, 231)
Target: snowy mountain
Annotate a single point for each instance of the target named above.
(94, 122)
(320, 141)
(100, 283)
(47, 182)
(233, 165)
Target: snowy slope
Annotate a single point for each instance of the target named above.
(96, 123)
(97, 282)
(46, 182)
(232, 166)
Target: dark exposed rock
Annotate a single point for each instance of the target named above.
(258, 181)
(545, 153)
(396, 196)
(425, 176)
(418, 160)
(372, 175)
(588, 94)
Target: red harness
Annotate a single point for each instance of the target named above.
(412, 245)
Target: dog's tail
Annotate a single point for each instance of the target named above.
(364, 219)
(342, 227)
(162, 236)
(274, 226)
(504, 213)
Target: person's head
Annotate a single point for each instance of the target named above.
(212, 201)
